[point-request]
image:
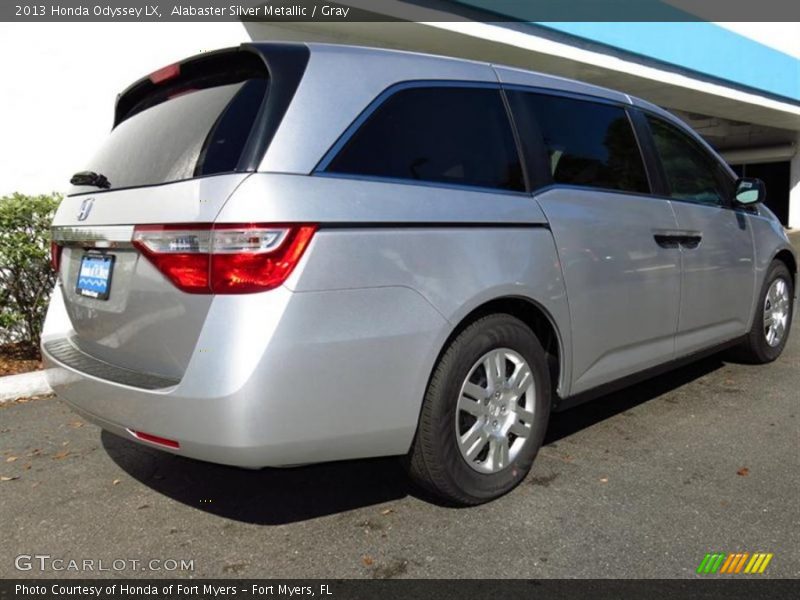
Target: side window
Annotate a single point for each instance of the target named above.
(691, 173)
(585, 143)
(438, 134)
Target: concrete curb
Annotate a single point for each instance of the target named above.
(24, 385)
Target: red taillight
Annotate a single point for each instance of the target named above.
(154, 439)
(55, 256)
(224, 259)
(245, 272)
(165, 73)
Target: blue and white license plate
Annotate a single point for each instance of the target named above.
(94, 278)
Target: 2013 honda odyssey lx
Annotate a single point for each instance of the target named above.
(292, 253)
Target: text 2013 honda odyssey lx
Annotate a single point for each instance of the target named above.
(286, 254)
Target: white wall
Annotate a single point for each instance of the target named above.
(59, 82)
(794, 187)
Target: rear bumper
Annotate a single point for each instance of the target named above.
(276, 379)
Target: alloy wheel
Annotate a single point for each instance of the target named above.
(776, 312)
(495, 410)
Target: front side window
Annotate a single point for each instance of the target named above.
(690, 172)
(446, 135)
(585, 143)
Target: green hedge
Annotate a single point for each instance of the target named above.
(26, 278)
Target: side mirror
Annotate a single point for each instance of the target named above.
(749, 191)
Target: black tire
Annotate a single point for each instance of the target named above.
(435, 461)
(755, 349)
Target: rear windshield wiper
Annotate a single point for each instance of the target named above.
(90, 178)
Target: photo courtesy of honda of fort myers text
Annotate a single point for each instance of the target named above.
(409, 299)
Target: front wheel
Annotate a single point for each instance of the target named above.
(773, 318)
(485, 413)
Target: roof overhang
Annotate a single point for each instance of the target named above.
(514, 44)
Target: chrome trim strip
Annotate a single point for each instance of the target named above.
(110, 236)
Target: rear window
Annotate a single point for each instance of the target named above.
(184, 129)
(585, 143)
(447, 134)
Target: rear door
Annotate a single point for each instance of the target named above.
(622, 279)
(717, 250)
(174, 156)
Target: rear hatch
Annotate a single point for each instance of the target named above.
(183, 139)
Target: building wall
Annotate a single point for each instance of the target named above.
(59, 82)
(794, 187)
(703, 48)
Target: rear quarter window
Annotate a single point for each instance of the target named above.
(436, 134)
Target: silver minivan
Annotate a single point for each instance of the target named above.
(293, 253)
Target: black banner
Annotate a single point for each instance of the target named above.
(409, 589)
(351, 11)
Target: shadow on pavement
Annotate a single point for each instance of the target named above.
(265, 497)
(564, 424)
(279, 496)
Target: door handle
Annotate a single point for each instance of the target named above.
(690, 242)
(666, 240)
(678, 239)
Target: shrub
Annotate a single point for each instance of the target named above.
(26, 277)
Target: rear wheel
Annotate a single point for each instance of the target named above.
(485, 413)
(772, 322)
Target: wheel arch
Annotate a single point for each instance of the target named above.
(535, 316)
(787, 257)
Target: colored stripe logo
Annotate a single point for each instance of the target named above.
(734, 563)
